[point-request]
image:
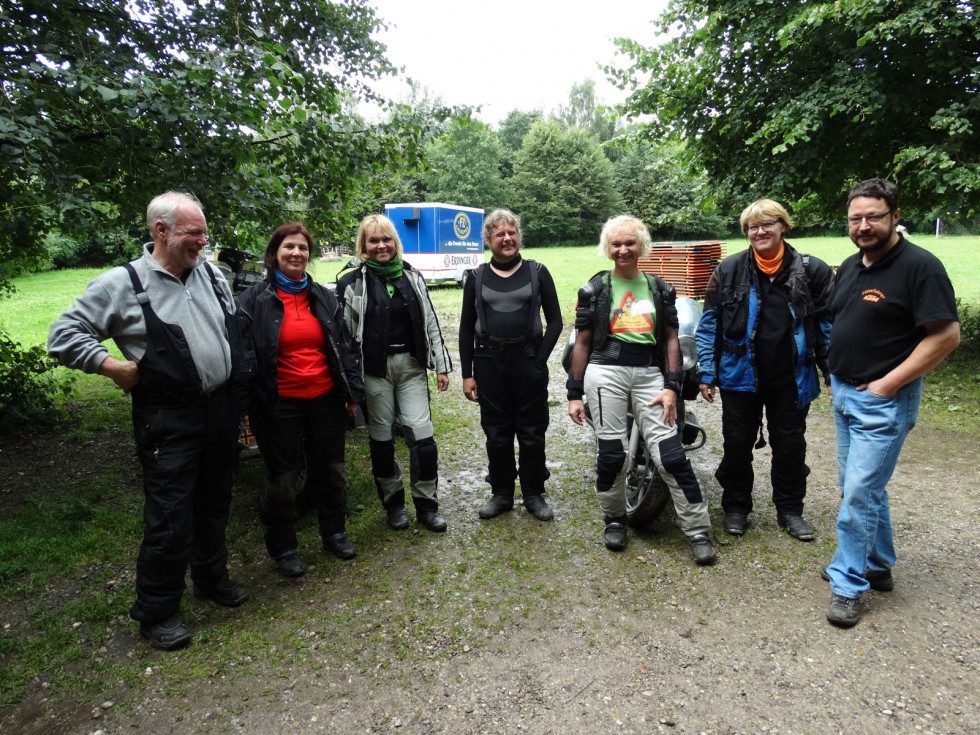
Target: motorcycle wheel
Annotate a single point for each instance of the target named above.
(646, 493)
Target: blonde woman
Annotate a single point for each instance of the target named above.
(388, 311)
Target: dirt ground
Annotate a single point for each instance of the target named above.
(511, 625)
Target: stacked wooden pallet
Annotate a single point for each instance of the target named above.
(687, 266)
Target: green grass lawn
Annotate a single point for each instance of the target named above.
(41, 297)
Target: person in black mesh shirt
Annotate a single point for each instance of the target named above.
(504, 354)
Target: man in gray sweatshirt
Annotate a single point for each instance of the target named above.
(169, 314)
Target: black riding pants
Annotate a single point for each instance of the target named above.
(188, 454)
(741, 425)
(513, 397)
(320, 425)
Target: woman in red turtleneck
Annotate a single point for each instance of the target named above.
(308, 383)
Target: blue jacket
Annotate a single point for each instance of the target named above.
(726, 332)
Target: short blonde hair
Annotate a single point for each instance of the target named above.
(387, 227)
(501, 217)
(764, 210)
(639, 229)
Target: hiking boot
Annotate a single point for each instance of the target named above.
(226, 593)
(290, 565)
(166, 635)
(496, 505)
(397, 518)
(431, 520)
(735, 523)
(844, 612)
(614, 537)
(880, 581)
(339, 545)
(703, 551)
(537, 507)
(795, 525)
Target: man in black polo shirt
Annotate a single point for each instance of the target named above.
(895, 319)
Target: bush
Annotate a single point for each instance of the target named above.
(28, 386)
(969, 328)
(65, 251)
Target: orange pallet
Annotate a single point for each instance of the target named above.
(687, 266)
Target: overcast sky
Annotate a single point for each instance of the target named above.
(510, 54)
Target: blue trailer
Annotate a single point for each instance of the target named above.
(442, 241)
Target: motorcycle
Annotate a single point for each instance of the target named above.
(646, 493)
(240, 268)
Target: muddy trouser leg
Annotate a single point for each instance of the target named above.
(425, 472)
(491, 369)
(608, 390)
(279, 433)
(170, 444)
(379, 394)
(387, 474)
(786, 425)
(531, 419)
(412, 404)
(326, 474)
(741, 416)
(212, 490)
(664, 447)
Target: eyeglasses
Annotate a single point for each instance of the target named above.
(872, 219)
(762, 227)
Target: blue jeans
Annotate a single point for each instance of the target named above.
(870, 434)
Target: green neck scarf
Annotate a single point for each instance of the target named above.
(387, 272)
(390, 270)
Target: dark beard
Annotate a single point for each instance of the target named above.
(878, 245)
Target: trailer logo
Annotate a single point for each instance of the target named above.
(450, 260)
(461, 225)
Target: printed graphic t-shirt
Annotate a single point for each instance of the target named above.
(633, 318)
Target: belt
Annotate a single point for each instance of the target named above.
(175, 398)
(397, 349)
(850, 381)
(502, 346)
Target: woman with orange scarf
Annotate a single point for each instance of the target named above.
(762, 336)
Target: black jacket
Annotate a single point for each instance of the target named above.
(263, 305)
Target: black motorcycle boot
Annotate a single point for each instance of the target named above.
(614, 535)
(427, 513)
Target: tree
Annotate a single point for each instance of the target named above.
(464, 166)
(584, 112)
(248, 104)
(799, 100)
(563, 185)
(513, 128)
(674, 199)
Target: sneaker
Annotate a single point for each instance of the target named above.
(226, 593)
(537, 507)
(166, 635)
(339, 545)
(432, 520)
(496, 505)
(880, 581)
(290, 565)
(703, 551)
(796, 526)
(398, 518)
(735, 523)
(844, 612)
(614, 536)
